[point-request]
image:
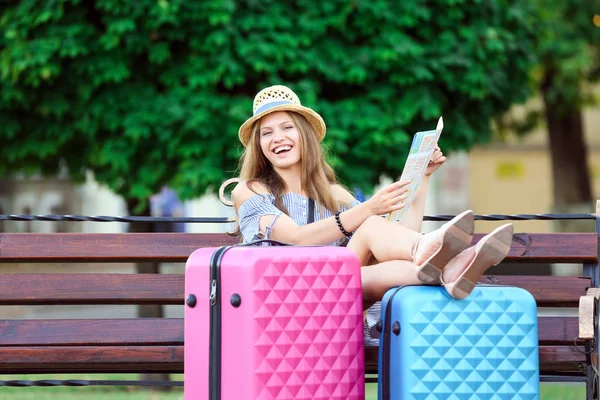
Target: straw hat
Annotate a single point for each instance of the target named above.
(280, 98)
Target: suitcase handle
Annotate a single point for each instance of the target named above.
(260, 241)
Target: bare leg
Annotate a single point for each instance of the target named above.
(386, 241)
(383, 240)
(379, 278)
(390, 247)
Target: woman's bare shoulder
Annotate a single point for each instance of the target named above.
(246, 189)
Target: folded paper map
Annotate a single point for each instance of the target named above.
(421, 150)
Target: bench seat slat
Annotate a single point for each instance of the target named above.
(169, 331)
(91, 359)
(68, 289)
(554, 360)
(169, 359)
(176, 247)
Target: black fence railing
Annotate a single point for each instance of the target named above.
(224, 220)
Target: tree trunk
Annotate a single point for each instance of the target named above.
(151, 310)
(572, 193)
(570, 173)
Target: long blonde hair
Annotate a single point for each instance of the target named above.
(317, 175)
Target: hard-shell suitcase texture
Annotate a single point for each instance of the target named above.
(435, 347)
(273, 323)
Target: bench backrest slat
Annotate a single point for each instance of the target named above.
(67, 289)
(176, 247)
(548, 291)
(106, 247)
(89, 332)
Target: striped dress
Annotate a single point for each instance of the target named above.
(255, 207)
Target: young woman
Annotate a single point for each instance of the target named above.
(283, 168)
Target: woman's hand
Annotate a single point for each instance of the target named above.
(437, 159)
(389, 198)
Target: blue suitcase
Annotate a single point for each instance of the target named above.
(435, 347)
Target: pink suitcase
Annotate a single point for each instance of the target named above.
(274, 323)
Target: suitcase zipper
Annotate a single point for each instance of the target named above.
(386, 344)
(214, 358)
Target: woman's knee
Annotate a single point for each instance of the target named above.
(365, 232)
(371, 223)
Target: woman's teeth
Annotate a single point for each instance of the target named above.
(282, 149)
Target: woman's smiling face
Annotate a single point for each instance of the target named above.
(280, 140)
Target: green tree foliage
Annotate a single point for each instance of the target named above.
(570, 57)
(147, 92)
(569, 53)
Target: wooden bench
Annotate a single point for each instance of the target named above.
(156, 345)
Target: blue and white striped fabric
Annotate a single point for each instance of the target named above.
(259, 205)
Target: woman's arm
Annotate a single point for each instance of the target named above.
(413, 218)
(325, 231)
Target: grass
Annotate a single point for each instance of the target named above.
(549, 391)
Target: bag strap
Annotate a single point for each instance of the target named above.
(261, 241)
(311, 212)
